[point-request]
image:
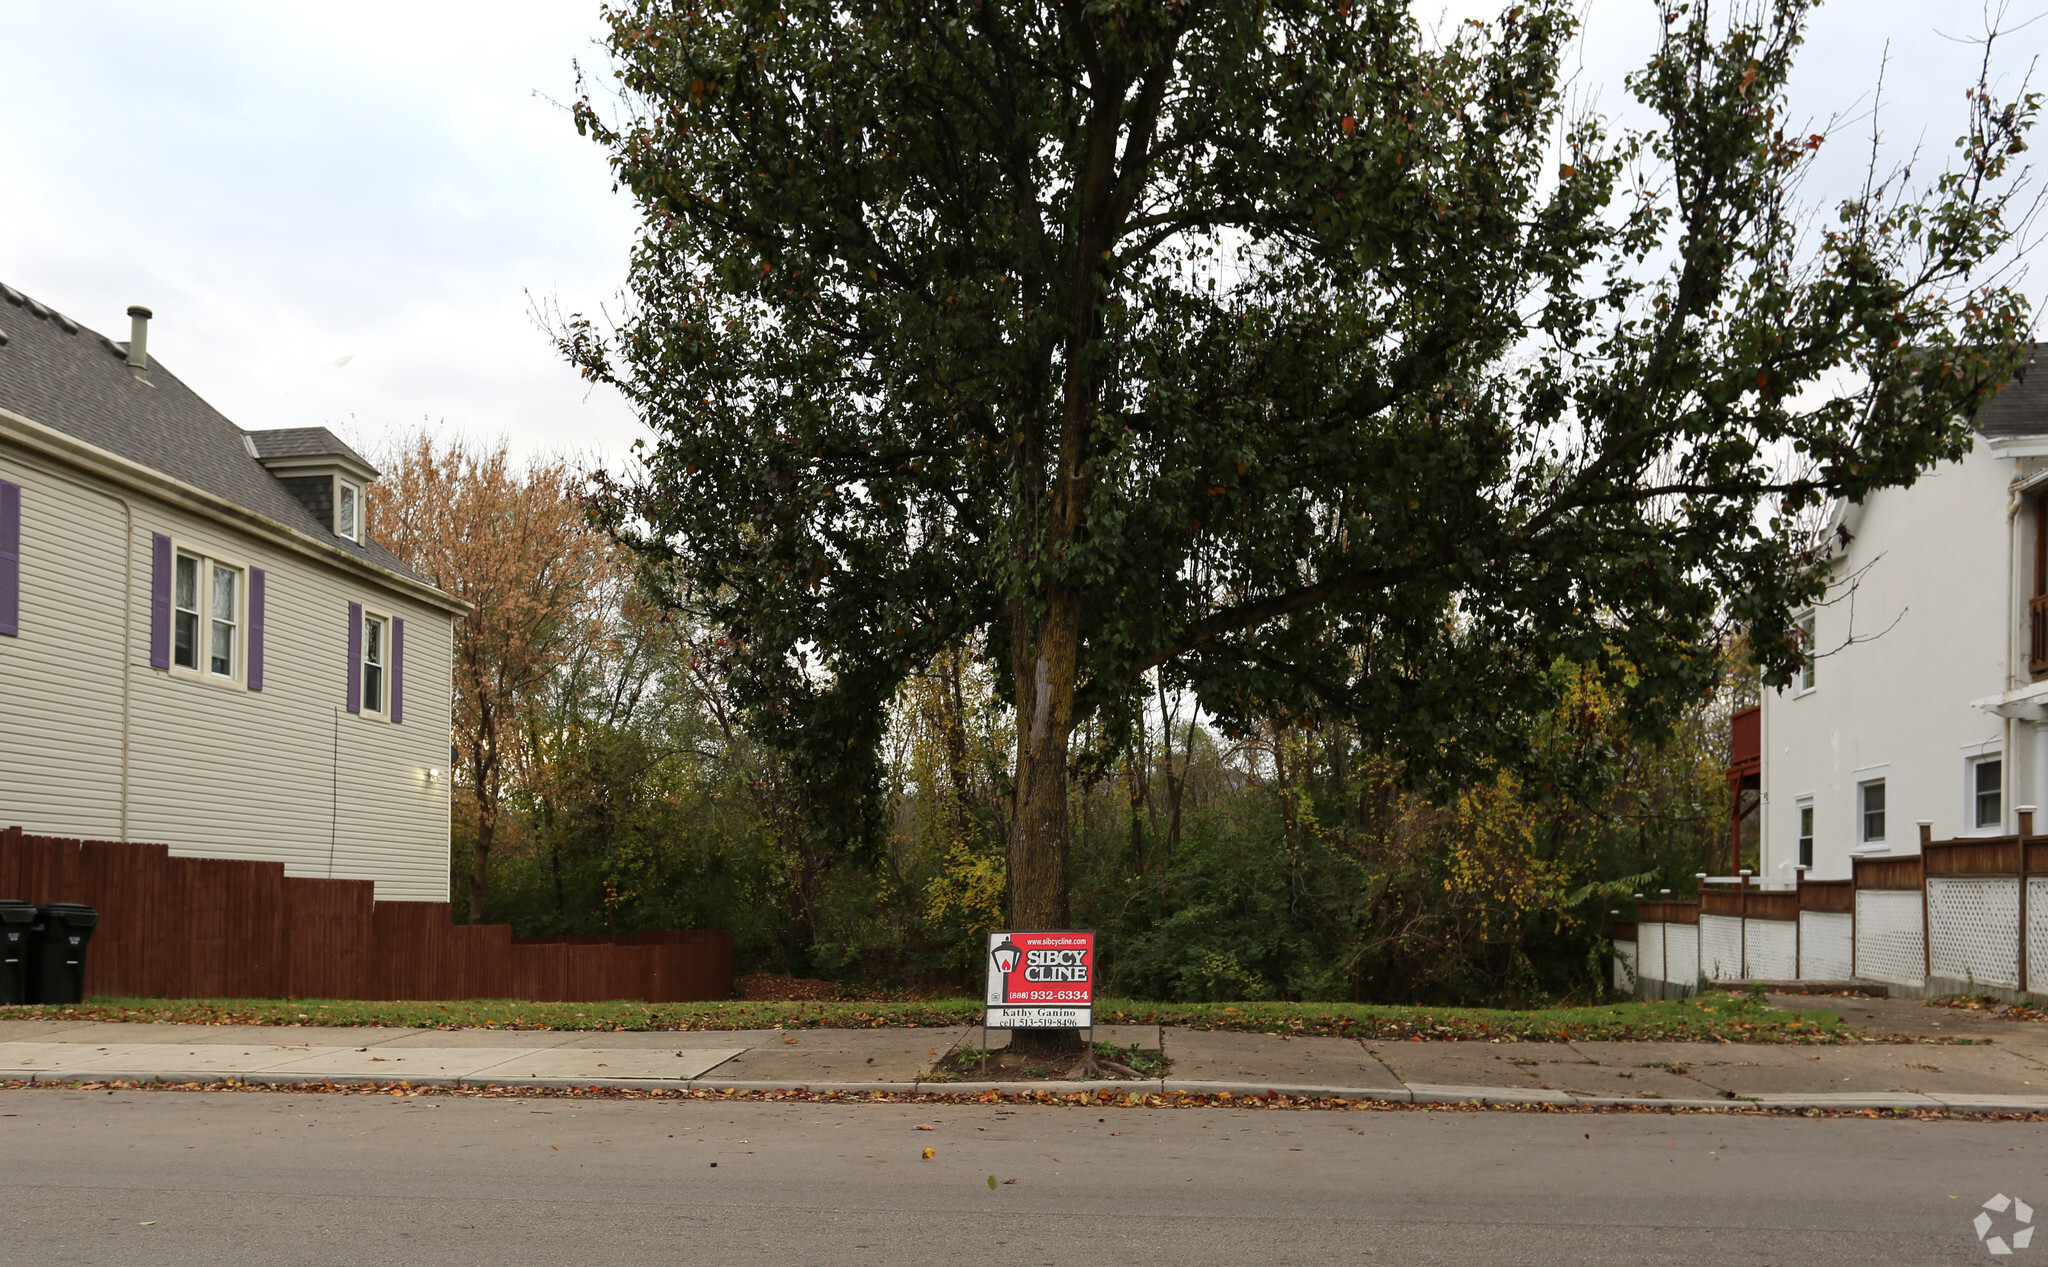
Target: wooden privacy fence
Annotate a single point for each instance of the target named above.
(218, 928)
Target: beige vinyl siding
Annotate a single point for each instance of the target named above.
(60, 681)
(285, 774)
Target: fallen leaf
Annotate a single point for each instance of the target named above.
(152, 1222)
(1009, 1181)
(991, 1183)
(923, 1126)
(556, 1149)
(929, 1154)
(789, 1040)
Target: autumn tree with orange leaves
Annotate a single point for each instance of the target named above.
(513, 544)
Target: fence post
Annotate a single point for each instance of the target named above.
(1742, 925)
(2026, 826)
(1854, 975)
(1798, 924)
(1926, 919)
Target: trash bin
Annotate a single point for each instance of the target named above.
(16, 921)
(57, 959)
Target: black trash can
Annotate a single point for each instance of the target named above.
(57, 962)
(17, 919)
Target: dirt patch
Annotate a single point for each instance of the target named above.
(780, 987)
(1986, 1006)
(1112, 1063)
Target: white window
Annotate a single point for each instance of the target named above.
(223, 607)
(1987, 791)
(373, 664)
(185, 639)
(1805, 812)
(207, 616)
(1870, 810)
(1807, 624)
(348, 506)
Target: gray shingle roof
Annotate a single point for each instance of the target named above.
(302, 442)
(2021, 407)
(58, 373)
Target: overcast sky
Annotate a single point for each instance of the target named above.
(341, 213)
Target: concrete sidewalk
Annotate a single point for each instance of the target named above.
(2000, 1066)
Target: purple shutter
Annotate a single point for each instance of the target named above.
(10, 559)
(257, 577)
(355, 657)
(160, 601)
(397, 670)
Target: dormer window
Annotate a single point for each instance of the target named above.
(320, 473)
(348, 500)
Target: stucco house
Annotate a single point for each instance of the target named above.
(201, 642)
(1926, 698)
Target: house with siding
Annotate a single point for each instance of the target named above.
(201, 642)
(1925, 700)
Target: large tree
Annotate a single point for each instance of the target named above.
(1322, 365)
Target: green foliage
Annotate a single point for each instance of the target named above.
(1269, 345)
(1305, 871)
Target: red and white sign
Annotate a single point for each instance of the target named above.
(1041, 980)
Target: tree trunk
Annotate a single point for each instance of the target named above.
(484, 771)
(480, 860)
(1043, 661)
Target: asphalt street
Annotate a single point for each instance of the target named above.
(229, 1178)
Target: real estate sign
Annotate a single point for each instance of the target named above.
(1043, 980)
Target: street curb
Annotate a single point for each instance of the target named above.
(1420, 1093)
(1396, 1094)
(1146, 1086)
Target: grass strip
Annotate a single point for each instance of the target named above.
(1712, 1018)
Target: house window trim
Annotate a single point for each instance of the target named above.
(355, 489)
(1808, 679)
(1805, 819)
(1973, 756)
(1861, 779)
(209, 559)
(382, 712)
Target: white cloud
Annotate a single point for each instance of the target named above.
(288, 186)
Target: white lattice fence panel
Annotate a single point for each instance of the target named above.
(1824, 946)
(1625, 966)
(1720, 947)
(2037, 932)
(1773, 949)
(1889, 945)
(1973, 926)
(1682, 952)
(1650, 948)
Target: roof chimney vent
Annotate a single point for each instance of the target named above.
(138, 337)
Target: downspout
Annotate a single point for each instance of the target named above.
(127, 646)
(1763, 788)
(334, 796)
(2009, 765)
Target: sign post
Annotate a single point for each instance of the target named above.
(1042, 980)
